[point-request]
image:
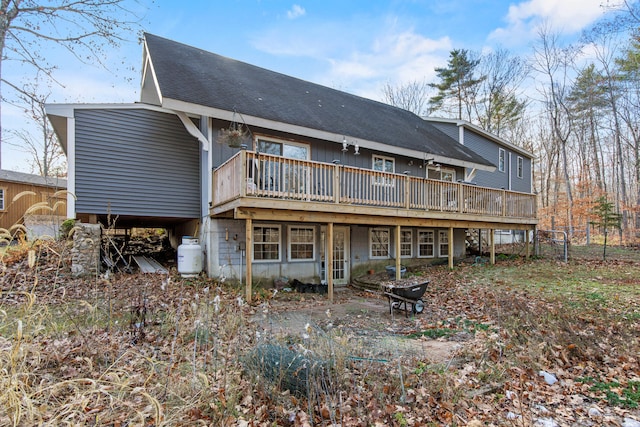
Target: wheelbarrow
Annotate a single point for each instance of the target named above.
(406, 297)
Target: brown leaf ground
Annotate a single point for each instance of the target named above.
(146, 350)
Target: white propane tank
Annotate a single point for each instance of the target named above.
(189, 257)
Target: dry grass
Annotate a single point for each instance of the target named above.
(146, 350)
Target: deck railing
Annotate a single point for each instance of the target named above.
(250, 174)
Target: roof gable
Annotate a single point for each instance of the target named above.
(194, 76)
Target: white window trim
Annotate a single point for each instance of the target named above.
(520, 170)
(433, 244)
(3, 196)
(253, 251)
(443, 237)
(502, 154)
(313, 242)
(387, 181)
(410, 243)
(371, 230)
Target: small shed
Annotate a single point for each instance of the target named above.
(35, 201)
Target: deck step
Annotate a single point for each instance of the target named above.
(149, 265)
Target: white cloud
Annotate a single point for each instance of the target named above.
(394, 58)
(296, 12)
(358, 55)
(566, 16)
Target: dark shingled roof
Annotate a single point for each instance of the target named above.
(195, 76)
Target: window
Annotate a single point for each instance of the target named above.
(425, 243)
(379, 242)
(383, 164)
(274, 175)
(301, 243)
(501, 159)
(1, 199)
(266, 243)
(406, 243)
(520, 166)
(441, 174)
(443, 241)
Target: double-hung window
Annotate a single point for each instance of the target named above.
(2, 195)
(426, 243)
(406, 243)
(443, 241)
(520, 166)
(379, 242)
(266, 243)
(301, 243)
(383, 164)
(501, 159)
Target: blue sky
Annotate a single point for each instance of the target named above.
(355, 46)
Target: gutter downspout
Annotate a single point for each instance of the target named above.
(71, 167)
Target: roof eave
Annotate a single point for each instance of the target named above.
(478, 129)
(201, 110)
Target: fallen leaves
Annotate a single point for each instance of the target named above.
(137, 347)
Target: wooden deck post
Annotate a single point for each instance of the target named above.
(492, 246)
(450, 248)
(527, 245)
(328, 268)
(398, 254)
(243, 173)
(407, 192)
(336, 185)
(249, 256)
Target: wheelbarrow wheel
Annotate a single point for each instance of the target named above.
(418, 307)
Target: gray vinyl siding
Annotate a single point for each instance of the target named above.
(135, 162)
(497, 179)
(451, 129)
(489, 150)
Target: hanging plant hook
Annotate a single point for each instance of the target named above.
(237, 132)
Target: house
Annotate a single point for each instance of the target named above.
(514, 165)
(37, 202)
(280, 177)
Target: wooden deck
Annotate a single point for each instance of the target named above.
(252, 180)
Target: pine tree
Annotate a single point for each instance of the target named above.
(458, 82)
(606, 219)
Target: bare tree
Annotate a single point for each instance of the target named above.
(554, 63)
(44, 149)
(411, 96)
(588, 102)
(85, 28)
(629, 68)
(498, 106)
(604, 48)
